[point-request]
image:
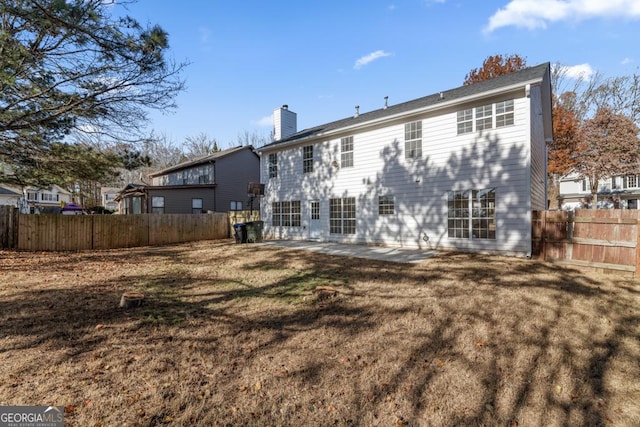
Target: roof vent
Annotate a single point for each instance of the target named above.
(285, 107)
(441, 95)
(357, 113)
(386, 98)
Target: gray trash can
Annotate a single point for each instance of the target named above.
(254, 231)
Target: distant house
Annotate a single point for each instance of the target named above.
(216, 183)
(108, 198)
(619, 192)
(459, 169)
(9, 196)
(36, 200)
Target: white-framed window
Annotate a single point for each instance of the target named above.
(632, 181)
(315, 209)
(413, 140)
(235, 205)
(386, 205)
(465, 121)
(273, 165)
(346, 152)
(472, 214)
(157, 204)
(504, 113)
(32, 196)
(307, 159)
(484, 117)
(285, 213)
(342, 215)
(275, 214)
(196, 206)
(49, 197)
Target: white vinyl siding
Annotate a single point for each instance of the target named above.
(449, 162)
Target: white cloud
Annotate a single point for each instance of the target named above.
(263, 122)
(578, 72)
(361, 62)
(626, 61)
(533, 14)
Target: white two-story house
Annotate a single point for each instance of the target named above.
(617, 192)
(459, 169)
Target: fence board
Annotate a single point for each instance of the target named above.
(80, 232)
(8, 227)
(120, 231)
(604, 240)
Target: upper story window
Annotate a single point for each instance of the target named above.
(273, 165)
(307, 159)
(485, 117)
(413, 140)
(504, 113)
(48, 197)
(32, 196)
(465, 121)
(631, 181)
(346, 152)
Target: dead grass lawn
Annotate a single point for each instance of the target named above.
(233, 335)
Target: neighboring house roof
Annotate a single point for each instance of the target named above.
(446, 98)
(8, 192)
(202, 160)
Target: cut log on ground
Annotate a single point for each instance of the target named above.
(131, 299)
(324, 292)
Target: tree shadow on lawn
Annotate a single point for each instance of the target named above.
(458, 340)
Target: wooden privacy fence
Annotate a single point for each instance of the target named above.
(80, 232)
(605, 240)
(236, 217)
(8, 227)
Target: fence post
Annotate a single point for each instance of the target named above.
(543, 231)
(637, 272)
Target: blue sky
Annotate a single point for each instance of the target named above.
(324, 57)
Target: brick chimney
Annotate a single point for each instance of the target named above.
(284, 123)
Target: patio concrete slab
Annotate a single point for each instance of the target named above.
(379, 253)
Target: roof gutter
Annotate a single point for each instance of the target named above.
(426, 109)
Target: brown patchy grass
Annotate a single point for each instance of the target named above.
(233, 335)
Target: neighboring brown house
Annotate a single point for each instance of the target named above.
(216, 183)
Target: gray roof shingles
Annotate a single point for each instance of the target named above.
(522, 76)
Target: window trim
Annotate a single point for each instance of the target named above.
(286, 213)
(235, 205)
(307, 159)
(342, 216)
(272, 162)
(505, 110)
(413, 140)
(471, 214)
(194, 209)
(156, 207)
(346, 152)
(386, 205)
